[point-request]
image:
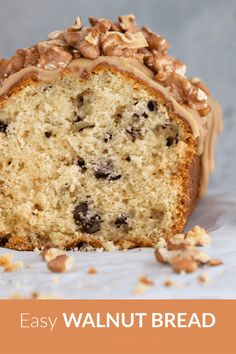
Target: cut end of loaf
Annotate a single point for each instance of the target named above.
(103, 161)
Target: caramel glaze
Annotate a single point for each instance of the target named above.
(205, 129)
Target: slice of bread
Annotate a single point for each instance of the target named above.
(99, 153)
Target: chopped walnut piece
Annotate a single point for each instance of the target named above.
(119, 44)
(55, 35)
(9, 266)
(18, 61)
(48, 254)
(88, 50)
(160, 254)
(184, 264)
(214, 262)
(177, 237)
(169, 283)
(143, 285)
(204, 278)
(73, 39)
(128, 24)
(54, 57)
(196, 81)
(161, 243)
(92, 271)
(102, 24)
(123, 40)
(181, 251)
(146, 280)
(155, 41)
(6, 68)
(161, 64)
(182, 90)
(5, 259)
(200, 257)
(198, 236)
(77, 26)
(93, 37)
(178, 244)
(61, 264)
(116, 27)
(31, 56)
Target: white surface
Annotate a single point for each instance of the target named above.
(118, 272)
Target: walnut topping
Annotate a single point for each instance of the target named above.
(31, 56)
(77, 26)
(123, 38)
(197, 82)
(128, 24)
(155, 42)
(88, 50)
(102, 24)
(160, 64)
(55, 35)
(182, 90)
(61, 264)
(93, 37)
(54, 57)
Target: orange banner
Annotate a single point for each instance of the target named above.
(117, 326)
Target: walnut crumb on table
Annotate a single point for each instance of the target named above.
(214, 262)
(49, 253)
(61, 264)
(182, 254)
(6, 261)
(92, 270)
(57, 260)
(143, 285)
(35, 295)
(169, 283)
(146, 280)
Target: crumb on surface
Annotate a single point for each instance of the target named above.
(92, 270)
(204, 278)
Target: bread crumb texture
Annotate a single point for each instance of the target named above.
(100, 162)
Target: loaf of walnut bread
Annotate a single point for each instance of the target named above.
(103, 139)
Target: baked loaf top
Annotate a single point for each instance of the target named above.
(135, 50)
